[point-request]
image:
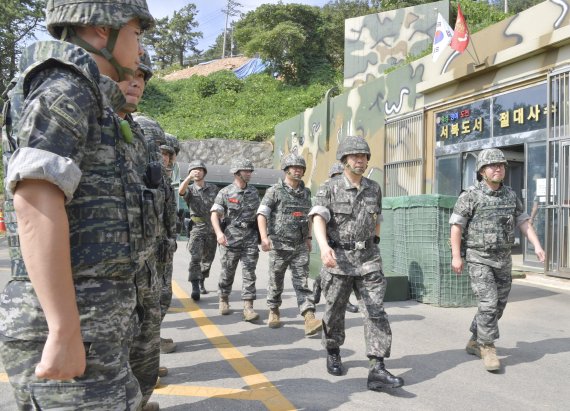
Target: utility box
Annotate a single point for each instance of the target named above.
(415, 243)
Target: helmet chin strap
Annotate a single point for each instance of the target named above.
(106, 52)
(293, 176)
(352, 169)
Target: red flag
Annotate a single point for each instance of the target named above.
(460, 38)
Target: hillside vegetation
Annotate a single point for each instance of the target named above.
(223, 106)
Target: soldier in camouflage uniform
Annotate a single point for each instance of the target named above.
(233, 220)
(486, 214)
(166, 240)
(285, 232)
(335, 170)
(346, 221)
(176, 180)
(199, 196)
(75, 219)
(144, 355)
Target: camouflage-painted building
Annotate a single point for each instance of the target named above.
(426, 121)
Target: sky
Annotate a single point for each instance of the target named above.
(211, 19)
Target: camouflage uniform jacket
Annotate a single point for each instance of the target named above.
(201, 200)
(351, 215)
(87, 157)
(286, 211)
(488, 219)
(237, 208)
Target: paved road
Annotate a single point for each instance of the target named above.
(223, 363)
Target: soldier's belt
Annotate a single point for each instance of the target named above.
(196, 219)
(353, 245)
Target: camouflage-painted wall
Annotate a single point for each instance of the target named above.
(375, 42)
(510, 53)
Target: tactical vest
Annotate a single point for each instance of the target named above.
(289, 222)
(492, 227)
(111, 214)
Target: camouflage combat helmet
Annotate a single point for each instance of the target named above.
(151, 129)
(352, 145)
(167, 148)
(63, 15)
(490, 156)
(146, 66)
(173, 142)
(292, 160)
(241, 164)
(336, 168)
(197, 164)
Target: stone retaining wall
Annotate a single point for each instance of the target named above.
(221, 152)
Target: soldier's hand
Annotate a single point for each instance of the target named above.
(62, 358)
(540, 254)
(328, 257)
(222, 239)
(457, 265)
(265, 244)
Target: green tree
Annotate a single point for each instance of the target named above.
(290, 35)
(172, 39)
(18, 21)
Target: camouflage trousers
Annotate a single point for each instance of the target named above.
(144, 355)
(298, 262)
(202, 247)
(370, 290)
(491, 286)
(108, 382)
(230, 257)
(164, 270)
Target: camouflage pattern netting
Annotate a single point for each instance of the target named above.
(490, 156)
(352, 145)
(292, 160)
(103, 13)
(241, 164)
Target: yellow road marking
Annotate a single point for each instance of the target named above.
(261, 388)
(3, 377)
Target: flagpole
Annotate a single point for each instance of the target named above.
(478, 62)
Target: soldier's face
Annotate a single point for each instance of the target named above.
(494, 173)
(128, 50)
(198, 174)
(134, 88)
(245, 175)
(295, 172)
(358, 163)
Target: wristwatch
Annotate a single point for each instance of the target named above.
(376, 240)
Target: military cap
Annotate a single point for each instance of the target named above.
(241, 164)
(490, 156)
(197, 164)
(146, 66)
(101, 13)
(173, 142)
(292, 160)
(151, 129)
(336, 168)
(352, 145)
(167, 148)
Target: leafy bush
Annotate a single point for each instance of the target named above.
(246, 109)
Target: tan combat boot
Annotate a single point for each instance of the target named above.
(274, 320)
(473, 347)
(248, 313)
(489, 356)
(312, 325)
(151, 406)
(167, 345)
(162, 371)
(224, 305)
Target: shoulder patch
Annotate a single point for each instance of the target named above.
(66, 108)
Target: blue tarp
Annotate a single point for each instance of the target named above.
(253, 66)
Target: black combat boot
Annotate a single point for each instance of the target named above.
(195, 290)
(379, 377)
(351, 308)
(334, 363)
